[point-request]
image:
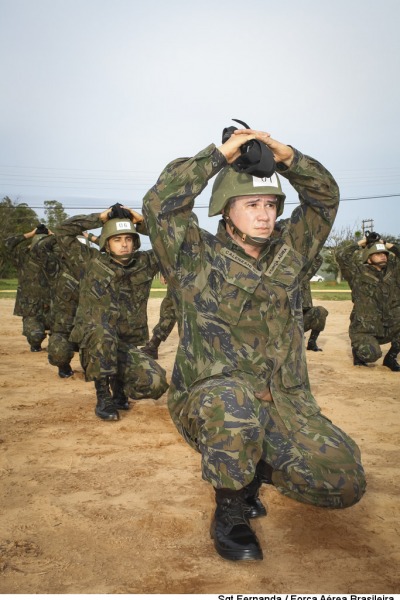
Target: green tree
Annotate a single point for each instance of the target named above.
(14, 218)
(54, 212)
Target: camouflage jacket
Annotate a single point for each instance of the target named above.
(375, 294)
(33, 291)
(239, 316)
(306, 296)
(111, 296)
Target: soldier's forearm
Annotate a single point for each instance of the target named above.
(13, 241)
(76, 225)
(308, 175)
(183, 180)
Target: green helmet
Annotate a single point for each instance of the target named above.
(118, 227)
(229, 184)
(376, 248)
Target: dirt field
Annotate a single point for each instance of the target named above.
(120, 507)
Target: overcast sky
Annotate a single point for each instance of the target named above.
(98, 95)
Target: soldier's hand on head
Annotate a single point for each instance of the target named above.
(135, 216)
(282, 152)
(105, 215)
(388, 245)
(231, 148)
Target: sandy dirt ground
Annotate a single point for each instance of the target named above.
(95, 507)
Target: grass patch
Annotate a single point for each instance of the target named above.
(8, 284)
(331, 296)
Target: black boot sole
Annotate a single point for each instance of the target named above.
(237, 555)
(106, 416)
(394, 368)
(256, 512)
(251, 552)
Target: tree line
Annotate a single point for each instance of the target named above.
(18, 217)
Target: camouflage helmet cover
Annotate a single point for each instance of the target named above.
(229, 184)
(114, 227)
(374, 249)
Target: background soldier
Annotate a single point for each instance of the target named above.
(65, 297)
(240, 391)
(111, 318)
(314, 317)
(164, 326)
(33, 299)
(374, 279)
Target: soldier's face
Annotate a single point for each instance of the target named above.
(378, 259)
(254, 215)
(121, 244)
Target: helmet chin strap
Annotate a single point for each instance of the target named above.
(246, 239)
(122, 258)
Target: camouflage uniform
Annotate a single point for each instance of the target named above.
(241, 332)
(64, 296)
(33, 297)
(167, 318)
(111, 318)
(375, 317)
(314, 317)
(164, 326)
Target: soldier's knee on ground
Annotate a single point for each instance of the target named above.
(60, 350)
(342, 491)
(368, 353)
(148, 384)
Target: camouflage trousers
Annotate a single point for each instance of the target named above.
(315, 318)
(61, 350)
(368, 346)
(141, 376)
(167, 319)
(318, 464)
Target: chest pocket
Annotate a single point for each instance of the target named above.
(284, 271)
(101, 277)
(68, 287)
(231, 283)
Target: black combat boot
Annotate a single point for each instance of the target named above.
(105, 407)
(65, 371)
(119, 397)
(357, 362)
(151, 348)
(312, 341)
(255, 508)
(390, 358)
(36, 348)
(233, 537)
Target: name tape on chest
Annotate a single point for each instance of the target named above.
(241, 261)
(282, 252)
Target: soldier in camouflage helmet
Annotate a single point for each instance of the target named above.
(33, 299)
(65, 297)
(373, 273)
(314, 317)
(240, 392)
(111, 318)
